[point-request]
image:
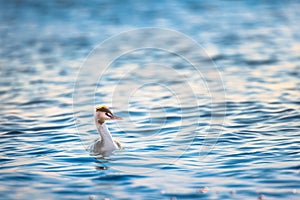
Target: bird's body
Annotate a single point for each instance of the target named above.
(105, 144)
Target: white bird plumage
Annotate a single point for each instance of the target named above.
(105, 144)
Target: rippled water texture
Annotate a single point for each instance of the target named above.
(172, 147)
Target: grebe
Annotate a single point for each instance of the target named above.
(105, 144)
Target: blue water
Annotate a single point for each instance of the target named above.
(172, 147)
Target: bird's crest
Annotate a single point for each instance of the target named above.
(102, 108)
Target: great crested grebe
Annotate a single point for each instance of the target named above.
(105, 144)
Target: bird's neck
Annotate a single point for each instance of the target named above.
(106, 138)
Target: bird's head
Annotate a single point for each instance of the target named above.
(103, 113)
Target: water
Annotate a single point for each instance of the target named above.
(253, 154)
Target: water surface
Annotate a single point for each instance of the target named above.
(256, 48)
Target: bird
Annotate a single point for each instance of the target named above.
(104, 145)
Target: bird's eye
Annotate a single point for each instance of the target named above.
(108, 114)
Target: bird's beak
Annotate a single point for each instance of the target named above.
(116, 117)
